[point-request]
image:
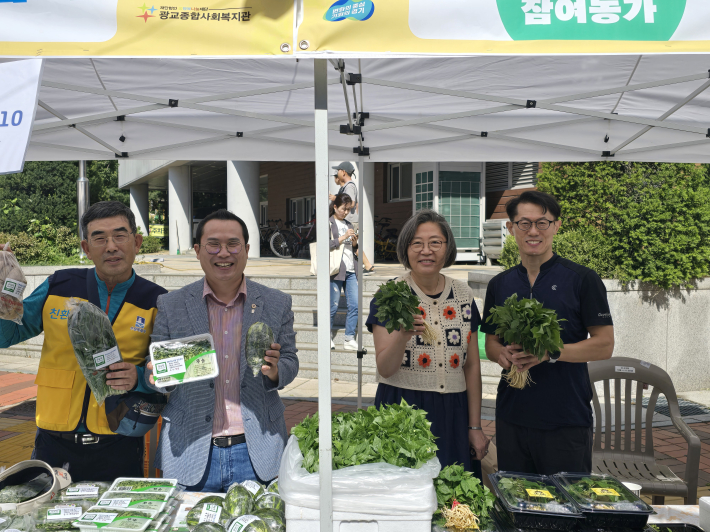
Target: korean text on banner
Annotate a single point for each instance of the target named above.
(18, 101)
(506, 26)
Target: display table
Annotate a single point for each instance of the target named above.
(676, 514)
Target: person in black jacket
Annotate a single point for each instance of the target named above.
(546, 427)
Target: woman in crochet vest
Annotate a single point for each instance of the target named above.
(445, 378)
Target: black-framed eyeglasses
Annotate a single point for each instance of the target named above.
(233, 247)
(118, 237)
(542, 224)
(434, 245)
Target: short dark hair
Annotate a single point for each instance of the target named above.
(106, 209)
(406, 235)
(548, 202)
(221, 214)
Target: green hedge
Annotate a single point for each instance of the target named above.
(152, 244)
(51, 246)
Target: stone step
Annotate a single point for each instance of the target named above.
(309, 298)
(309, 334)
(309, 316)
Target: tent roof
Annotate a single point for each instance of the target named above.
(651, 108)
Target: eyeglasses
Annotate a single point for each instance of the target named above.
(233, 246)
(543, 224)
(120, 237)
(434, 245)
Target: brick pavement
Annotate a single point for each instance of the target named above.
(17, 429)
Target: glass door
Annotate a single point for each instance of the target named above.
(459, 203)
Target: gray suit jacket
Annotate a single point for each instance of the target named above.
(186, 434)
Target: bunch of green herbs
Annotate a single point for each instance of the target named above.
(396, 307)
(27, 490)
(527, 323)
(186, 349)
(397, 434)
(515, 489)
(582, 489)
(455, 483)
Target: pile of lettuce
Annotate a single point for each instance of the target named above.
(396, 434)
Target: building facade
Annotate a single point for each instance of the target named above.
(467, 194)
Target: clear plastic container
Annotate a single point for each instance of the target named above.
(183, 360)
(59, 516)
(90, 491)
(534, 501)
(604, 501)
(115, 520)
(145, 485)
(135, 501)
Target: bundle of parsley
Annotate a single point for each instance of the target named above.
(396, 434)
(396, 305)
(529, 324)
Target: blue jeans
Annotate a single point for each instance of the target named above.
(225, 466)
(350, 285)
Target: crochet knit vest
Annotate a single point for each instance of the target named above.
(438, 367)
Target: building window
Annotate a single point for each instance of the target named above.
(302, 210)
(506, 176)
(425, 191)
(399, 182)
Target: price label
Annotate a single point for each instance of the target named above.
(252, 486)
(13, 288)
(170, 366)
(98, 518)
(83, 490)
(540, 493)
(106, 358)
(116, 503)
(625, 369)
(210, 513)
(240, 523)
(64, 513)
(606, 492)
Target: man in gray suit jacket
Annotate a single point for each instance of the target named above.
(231, 428)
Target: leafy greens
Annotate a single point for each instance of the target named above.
(396, 305)
(529, 324)
(454, 483)
(396, 434)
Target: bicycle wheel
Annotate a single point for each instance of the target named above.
(282, 243)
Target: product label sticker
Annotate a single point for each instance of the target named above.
(625, 369)
(122, 488)
(97, 518)
(252, 486)
(240, 523)
(116, 503)
(645, 364)
(83, 490)
(106, 358)
(606, 492)
(540, 493)
(210, 513)
(170, 366)
(13, 288)
(64, 513)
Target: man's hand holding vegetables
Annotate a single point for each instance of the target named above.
(432, 361)
(545, 426)
(229, 428)
(72, 427)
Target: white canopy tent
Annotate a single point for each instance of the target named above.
(408, 108)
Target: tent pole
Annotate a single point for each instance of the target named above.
(82, 201)
(325, 446)
(360, 276)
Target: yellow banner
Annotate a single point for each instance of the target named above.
(158, 230)
(116, 28)
(505, 26)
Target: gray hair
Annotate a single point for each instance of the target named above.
(406, 235)
(106, 209)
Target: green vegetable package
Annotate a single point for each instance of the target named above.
(94, 345)
(529, 324)
(184, 360)
(259, 340)
(396, 305)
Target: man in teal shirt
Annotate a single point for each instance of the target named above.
(72, 428)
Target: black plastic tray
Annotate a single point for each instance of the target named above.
(529, 522)
(672, 527)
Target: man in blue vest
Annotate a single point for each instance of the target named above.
(72, 427)
(546, 427)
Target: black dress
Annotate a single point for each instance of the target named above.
(447, 412)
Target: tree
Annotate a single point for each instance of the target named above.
(654, 216)
(103, 182)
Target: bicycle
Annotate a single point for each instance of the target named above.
(385, 240)
(265, 233)
(282, 241)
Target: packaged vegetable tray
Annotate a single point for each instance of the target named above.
(605, 502)
(59, 516)
(136, 501)
(115, 519)
(145, 485)
(90, 491)
(11, 521)
(534, 501)
(184, 360)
